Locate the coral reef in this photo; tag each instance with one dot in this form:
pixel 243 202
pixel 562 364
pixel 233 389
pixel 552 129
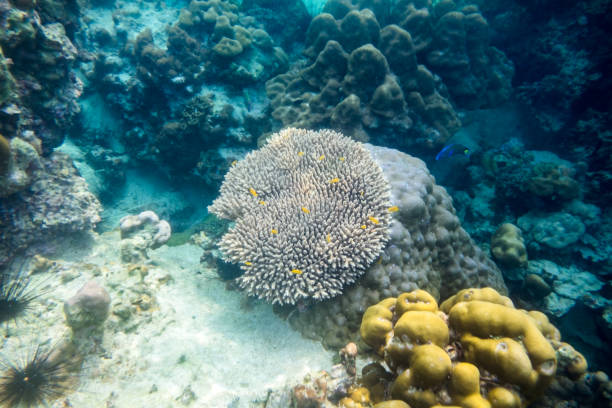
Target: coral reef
pixel 55 204
pixel 427 249
pixel 39 90
pixel 362 74
pixel 312 213
pixel 508 246
pixel 439 355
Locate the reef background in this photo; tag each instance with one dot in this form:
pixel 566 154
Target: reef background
pixel 110 107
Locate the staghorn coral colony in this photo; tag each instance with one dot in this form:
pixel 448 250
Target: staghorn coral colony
pixel 304 203
pixel 312 213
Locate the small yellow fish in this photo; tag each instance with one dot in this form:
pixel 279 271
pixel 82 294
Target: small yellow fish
pixel 361 193
pixel 274 231
pixel 321 157
pixel 392 209
pixel 328 238
pixel 296 271
pixel 234 162
pixel 334 180
pixel 247 263
pixel 363 227
pixel 262 202
pixel 252 191
pixel 306 210
pixel 341 159
pixel 374 220
pixel 300 154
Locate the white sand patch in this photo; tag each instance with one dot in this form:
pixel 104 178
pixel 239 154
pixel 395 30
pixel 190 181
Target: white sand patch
pixel 197 343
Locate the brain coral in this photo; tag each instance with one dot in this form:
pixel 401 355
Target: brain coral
pixel 311 211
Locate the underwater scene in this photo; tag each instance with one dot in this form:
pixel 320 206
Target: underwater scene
pixel 305 203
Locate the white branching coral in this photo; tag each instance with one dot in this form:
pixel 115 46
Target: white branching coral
pixel 311 211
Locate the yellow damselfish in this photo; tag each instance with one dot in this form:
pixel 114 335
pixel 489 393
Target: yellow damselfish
pixel 296 271
pixel 252 191
pixel 274 231
pixel 393 208
pixel 334 180
pixel 374 220
pixel 306 210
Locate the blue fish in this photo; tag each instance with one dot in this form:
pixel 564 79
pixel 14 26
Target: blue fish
pixel 453 149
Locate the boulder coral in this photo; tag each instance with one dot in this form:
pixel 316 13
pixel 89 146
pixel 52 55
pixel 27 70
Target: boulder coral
pixel 401 65
pixel 474 350
pixel 427 249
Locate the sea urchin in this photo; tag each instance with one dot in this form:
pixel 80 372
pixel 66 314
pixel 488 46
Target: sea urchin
pixel 16 294
pixel 42 378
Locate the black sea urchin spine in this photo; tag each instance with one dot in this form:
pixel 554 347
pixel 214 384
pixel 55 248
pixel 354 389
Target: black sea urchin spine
pixel 38 380
pixel 16 294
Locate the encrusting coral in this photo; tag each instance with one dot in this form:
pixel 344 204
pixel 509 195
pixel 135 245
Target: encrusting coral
pixel 311 211
pixel 475 350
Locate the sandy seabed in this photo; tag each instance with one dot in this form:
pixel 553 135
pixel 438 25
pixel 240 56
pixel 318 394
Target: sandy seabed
pixel 186 342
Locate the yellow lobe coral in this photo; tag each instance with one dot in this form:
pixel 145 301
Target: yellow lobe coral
pixel 501 397
pixel 429 368
pixel 392 404
pixel 422 327
pixel 252 191
pixel 467 295
pixel 376 323
pixel 417 300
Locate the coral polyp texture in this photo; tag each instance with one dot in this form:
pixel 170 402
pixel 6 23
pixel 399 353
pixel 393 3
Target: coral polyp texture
pixel 311 211
pixel 474 350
